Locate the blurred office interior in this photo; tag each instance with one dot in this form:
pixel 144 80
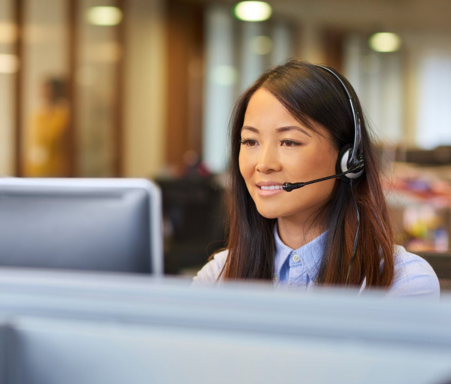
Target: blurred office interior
pixel 144 88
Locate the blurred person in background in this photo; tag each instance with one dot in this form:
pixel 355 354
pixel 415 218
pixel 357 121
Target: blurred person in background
pixel 45 154
pixel 297 123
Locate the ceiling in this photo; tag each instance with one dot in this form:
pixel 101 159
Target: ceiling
pixel 408 16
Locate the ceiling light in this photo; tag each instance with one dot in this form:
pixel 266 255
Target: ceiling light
pixel 384 42
pixel 224 75
pixel 261 45
pixel 8 63
pixel 105 16
pixel 252 11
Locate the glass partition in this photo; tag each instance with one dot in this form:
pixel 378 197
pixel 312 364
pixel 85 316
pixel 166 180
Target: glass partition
pixel 96 87
pixel 9 65
pixel 45 110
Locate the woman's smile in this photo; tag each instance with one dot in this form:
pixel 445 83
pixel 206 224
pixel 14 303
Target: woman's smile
pixel 269 188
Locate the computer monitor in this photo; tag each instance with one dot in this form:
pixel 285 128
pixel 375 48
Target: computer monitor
pixel 110 225
pixel 90 328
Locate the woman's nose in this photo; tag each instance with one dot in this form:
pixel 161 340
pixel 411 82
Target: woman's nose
pixel 268 161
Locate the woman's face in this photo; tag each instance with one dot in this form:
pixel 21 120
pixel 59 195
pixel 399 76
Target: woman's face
pixel 276 148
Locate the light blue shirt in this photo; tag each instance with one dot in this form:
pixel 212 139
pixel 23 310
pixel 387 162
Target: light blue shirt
pixel 300 267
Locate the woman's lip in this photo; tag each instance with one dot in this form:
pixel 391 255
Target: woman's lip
pixel 269 192
pixel 268 183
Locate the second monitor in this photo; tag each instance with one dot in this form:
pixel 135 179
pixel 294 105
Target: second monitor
pixel 111 225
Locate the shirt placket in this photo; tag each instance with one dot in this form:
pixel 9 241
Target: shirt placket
pixel 281 271
pixel 297 272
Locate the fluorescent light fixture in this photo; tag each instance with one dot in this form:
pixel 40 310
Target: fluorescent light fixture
pixel 105 16
pixel 261 45
pixel 224 75
pixel 8 63
pixel 384 42
pixel 252 11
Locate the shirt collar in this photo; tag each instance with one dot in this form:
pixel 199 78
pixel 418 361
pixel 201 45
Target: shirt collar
pixel 310 254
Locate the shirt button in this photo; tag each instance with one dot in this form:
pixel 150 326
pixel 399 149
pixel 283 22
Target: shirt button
pixel 275 278
pixel 296 257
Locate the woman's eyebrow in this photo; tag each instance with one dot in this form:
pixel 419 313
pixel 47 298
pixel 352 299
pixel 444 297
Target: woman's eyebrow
pixel 246 127
pixel 293 127
pixel 281 129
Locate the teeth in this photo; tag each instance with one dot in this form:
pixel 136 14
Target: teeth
pixel 270 187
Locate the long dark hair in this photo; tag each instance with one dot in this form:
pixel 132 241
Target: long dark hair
pixel 313 96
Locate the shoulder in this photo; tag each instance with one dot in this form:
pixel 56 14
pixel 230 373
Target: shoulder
pixel 413 276
pixel 209 274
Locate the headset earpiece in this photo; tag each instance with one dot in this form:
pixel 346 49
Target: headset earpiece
pixel 343 165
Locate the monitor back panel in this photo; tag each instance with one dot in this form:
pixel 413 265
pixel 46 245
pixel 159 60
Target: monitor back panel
pixel 49 351
pixel 96 328
pixel 83 228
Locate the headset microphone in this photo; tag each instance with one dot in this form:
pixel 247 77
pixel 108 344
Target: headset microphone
pixel 288 187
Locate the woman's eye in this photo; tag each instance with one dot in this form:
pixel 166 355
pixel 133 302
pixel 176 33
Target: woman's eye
pixel 289 143
pixel 249 142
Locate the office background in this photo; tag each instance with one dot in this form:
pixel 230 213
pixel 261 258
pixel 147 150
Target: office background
pixel 144 88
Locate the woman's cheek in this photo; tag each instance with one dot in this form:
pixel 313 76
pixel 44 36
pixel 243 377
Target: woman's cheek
pixel 245 164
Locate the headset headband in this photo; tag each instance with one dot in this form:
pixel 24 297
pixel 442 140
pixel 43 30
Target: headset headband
pixel 357 148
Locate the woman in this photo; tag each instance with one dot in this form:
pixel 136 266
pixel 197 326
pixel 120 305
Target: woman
pixel 300 122
pixel 45 147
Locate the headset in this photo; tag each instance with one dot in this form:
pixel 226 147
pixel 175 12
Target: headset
pixel 350 161
pixel 349 166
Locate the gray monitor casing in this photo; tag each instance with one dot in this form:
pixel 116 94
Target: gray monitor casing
pixel 65 327
pixel 108 225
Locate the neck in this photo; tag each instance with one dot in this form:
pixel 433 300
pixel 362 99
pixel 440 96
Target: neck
pixel 295 233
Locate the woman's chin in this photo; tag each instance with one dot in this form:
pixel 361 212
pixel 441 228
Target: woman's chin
pixel 268 214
